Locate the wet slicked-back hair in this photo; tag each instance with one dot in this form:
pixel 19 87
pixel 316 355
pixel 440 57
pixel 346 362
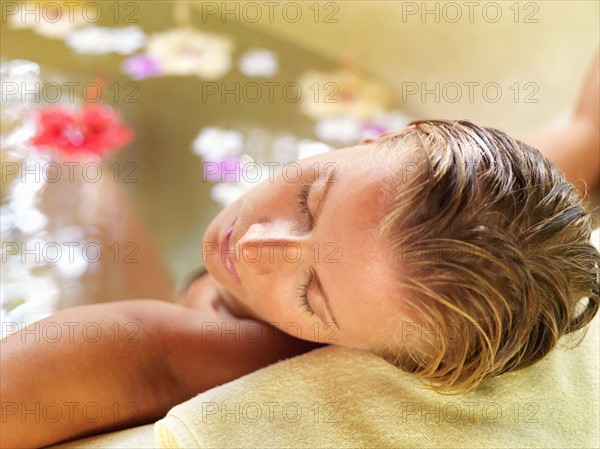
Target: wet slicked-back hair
pixel 492 251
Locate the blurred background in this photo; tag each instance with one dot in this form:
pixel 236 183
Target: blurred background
pixel 153 103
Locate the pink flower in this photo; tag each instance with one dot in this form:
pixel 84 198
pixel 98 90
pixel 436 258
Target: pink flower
pixel 222 170
pixel 140 66
pixel 95 130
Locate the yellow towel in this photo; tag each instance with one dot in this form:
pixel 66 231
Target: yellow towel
pixel 337 397
pixel 342 398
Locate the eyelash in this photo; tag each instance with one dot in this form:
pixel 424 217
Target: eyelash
pixel 303 295
pixel 303 289
pixel 303 196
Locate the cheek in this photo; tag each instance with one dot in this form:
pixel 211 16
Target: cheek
pixel 276 304
pixel 272 298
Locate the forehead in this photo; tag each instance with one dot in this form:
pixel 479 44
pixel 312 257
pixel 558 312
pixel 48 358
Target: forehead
pixel 359 277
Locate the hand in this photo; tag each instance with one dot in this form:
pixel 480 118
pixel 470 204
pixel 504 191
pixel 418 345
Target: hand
pixel 205 293
pixel 201 293
pixel 253 345
pixel 575 148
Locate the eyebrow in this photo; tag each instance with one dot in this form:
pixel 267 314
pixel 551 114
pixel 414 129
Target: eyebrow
pixel 328 180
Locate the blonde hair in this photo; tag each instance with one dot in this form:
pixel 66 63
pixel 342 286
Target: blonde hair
pixel 492 249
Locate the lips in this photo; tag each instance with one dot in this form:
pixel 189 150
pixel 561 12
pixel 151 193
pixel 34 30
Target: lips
pixel 227 254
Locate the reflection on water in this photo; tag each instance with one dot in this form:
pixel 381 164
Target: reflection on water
pixel 69 233
pixel 207 97
pixel 208 109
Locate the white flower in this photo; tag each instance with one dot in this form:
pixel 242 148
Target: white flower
pixel 40 299
pixel 30 287
pixel 52 22
pixel 29 181
pixel 17 125
pixel 190 52
pixel 258 142
pixel 29 220
pixel 18 136
pixel 7 220
pixel 285 149
pixel 72 263
pixel 214 143
pixel 69 234
pixel 99 40
pixel 342 93
pixel 343 130
pixel 307 148
pixel 227 192
pixel 19 75
pixel 258 63
pixel 394 120
pixel 23 195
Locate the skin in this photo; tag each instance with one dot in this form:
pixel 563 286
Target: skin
pixel 156 338
pixel 165 353
pixel 275 246
pixel 150 356
pixel 575 147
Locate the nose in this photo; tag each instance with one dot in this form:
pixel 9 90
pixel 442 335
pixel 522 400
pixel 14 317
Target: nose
pixel 265 248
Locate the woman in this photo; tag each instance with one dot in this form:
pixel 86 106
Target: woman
pixel 452 250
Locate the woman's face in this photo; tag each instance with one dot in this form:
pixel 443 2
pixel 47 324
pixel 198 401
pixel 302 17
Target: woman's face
pixel 301 251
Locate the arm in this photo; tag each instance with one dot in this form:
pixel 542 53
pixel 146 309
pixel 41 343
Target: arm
pixel 93 375
pixel 575 148
pixel 130 258
pixel 147 357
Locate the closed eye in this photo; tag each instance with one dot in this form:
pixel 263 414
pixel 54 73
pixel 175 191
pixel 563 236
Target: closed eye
pixel 303 204
pixel 303 294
